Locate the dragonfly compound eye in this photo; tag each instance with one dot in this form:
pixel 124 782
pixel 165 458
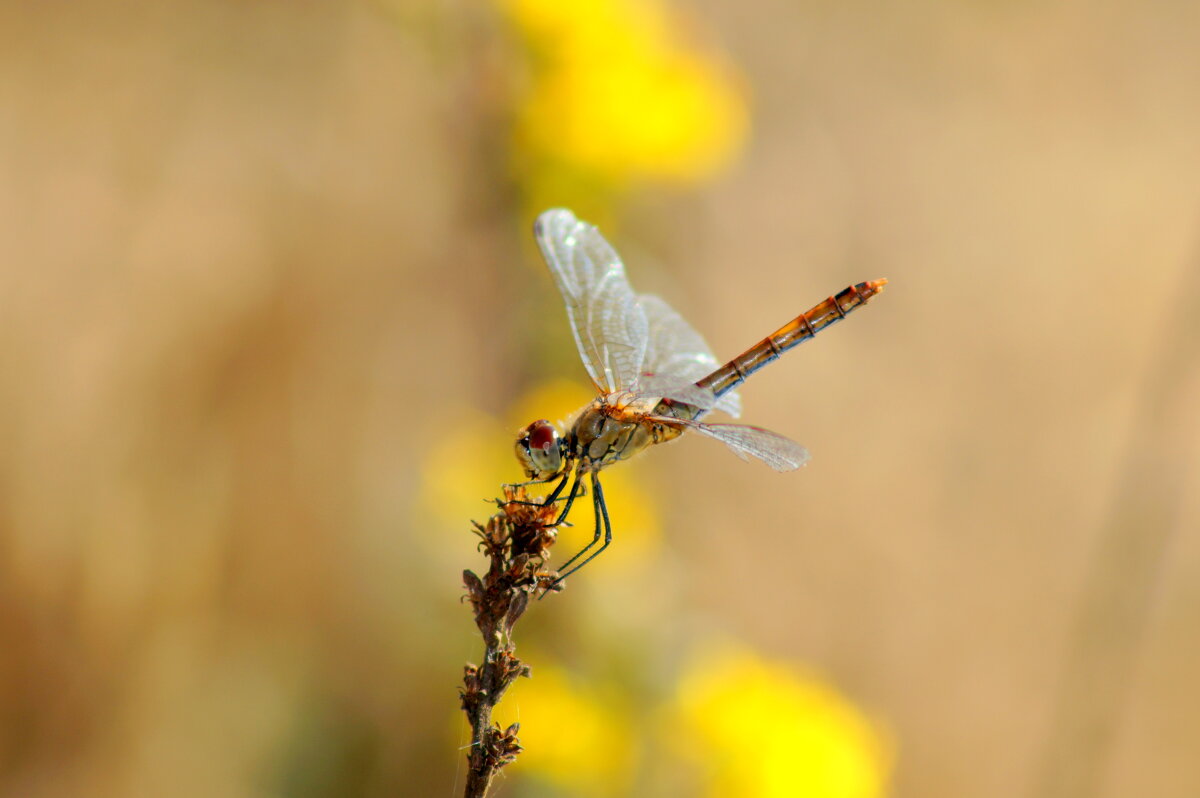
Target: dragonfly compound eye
pixel 539 449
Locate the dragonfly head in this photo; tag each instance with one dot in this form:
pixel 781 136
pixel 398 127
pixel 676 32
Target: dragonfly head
pixel 540 450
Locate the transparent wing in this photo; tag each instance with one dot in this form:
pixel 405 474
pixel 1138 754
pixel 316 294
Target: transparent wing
pixel 780 453
pixel 609 323
pixel 681 389
pixel 677 355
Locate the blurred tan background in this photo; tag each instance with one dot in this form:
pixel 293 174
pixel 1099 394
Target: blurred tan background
pixel 262 260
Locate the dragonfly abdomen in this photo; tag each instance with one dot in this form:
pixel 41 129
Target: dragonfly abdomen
pixel 796 331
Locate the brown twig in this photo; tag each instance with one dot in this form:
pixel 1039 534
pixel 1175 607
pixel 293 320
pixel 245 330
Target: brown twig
pixel 516 541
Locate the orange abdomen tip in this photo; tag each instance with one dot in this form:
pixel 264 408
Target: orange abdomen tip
pixel 871 287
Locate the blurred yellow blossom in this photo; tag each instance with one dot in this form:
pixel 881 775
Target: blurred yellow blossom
pixel 575 736
pixel 616 96
pixel 735 725
pixel 556 400
pixel 465 467
pixel 761 729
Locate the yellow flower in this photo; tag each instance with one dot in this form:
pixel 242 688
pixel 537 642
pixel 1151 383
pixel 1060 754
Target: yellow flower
pixel 760 729
pixel 556 400
pixel 574 736
pixel 465 467
pixel 615 97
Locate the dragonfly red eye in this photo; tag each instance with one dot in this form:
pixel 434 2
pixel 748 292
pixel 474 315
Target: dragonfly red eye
pixel 541 435
pixel 539 449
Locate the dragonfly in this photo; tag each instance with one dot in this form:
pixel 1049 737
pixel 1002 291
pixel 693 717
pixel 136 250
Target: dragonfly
pixel 654 375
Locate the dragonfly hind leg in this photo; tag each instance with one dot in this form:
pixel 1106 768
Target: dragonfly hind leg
pixel 603 524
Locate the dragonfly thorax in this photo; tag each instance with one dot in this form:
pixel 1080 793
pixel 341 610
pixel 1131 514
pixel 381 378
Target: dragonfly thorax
pixel 616 427
pixel 540 450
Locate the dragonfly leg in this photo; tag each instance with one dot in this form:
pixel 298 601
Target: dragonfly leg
pixel 553 497
pixel 602 522
pixel 529 482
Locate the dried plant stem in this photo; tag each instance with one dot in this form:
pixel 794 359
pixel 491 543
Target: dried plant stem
pixel 516 541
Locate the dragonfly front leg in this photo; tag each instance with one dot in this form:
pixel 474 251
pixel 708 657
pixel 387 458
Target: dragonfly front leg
pixel 553 497
pixel 529 482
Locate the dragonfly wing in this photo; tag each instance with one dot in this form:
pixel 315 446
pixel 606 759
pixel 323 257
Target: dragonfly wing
pixel 606 317
pixel 681 389
pixel 780 453
pixel 676 353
